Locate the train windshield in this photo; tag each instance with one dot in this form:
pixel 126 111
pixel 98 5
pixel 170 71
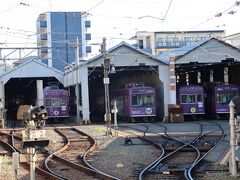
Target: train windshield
pixel 225 97
pixel 56 102
pixel 142 100
pixel 192 98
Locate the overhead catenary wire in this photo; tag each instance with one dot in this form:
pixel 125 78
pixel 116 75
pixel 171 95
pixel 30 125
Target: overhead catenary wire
pixel 167 10
pixel 114 37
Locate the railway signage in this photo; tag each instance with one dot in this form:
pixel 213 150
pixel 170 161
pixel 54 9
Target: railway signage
pixel 33 134
pixel 106 81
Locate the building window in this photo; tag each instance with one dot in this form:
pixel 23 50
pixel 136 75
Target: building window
pixel 43 36
pixel 43 23
pixel 44 50
pixel 140 44
pixel 87 24
pixel 88 49
pixel 88 36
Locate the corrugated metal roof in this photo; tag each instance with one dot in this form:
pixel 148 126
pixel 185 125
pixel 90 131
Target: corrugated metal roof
pixel 32 68
pixel 179 51
pixel 123 43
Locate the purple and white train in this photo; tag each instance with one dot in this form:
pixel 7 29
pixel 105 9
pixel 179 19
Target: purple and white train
pixel 56 102
pixel 136 103
pixel 219 97
pixel 191 97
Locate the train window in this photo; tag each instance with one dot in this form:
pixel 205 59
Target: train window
pixel 225 97
pixel 199 98
pixel 222 98
pixel 232 95
pixel 55 102
pixel 142 100
pixel 192 98
pixel 48 102
pixel 183 98
pixel 62 101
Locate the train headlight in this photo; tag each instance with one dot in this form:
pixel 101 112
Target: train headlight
pixel 148 111
pixel 43 115
pixel 34 116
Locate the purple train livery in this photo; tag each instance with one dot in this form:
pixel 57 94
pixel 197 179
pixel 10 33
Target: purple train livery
pixel 136 103
pixel 56 102
pixel 191 97
pixel 219 97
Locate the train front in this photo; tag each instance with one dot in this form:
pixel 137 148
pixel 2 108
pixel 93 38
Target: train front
pixel 56 103
pixel 223 95
pixel 143 103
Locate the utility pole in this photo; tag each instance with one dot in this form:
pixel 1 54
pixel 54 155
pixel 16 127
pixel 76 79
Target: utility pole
pixel 106 65
pixel 77 86
pixel 232 163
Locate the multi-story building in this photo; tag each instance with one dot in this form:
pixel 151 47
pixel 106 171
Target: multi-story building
pixel 233 39
pixel 56 36
pixel 157 42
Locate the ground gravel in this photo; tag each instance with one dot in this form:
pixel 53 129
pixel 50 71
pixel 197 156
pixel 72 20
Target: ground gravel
pixel 111 156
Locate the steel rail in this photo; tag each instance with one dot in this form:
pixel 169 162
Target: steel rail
pixel 188 171
pixel 26 164
pixel 153 165
pixel 89 169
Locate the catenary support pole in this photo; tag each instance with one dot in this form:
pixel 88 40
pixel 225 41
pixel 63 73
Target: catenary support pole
pixel 233 166
pixel 77 85
pixel 106 64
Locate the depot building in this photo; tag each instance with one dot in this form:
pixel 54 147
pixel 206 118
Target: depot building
pixel 211 60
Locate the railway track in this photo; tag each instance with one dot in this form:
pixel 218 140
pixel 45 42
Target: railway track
pixel 180 154
pixel 14 144
pixel 210 140
pixel 72 157
pixel 66 162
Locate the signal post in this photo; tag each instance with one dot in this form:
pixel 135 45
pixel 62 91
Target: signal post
pixel 34 135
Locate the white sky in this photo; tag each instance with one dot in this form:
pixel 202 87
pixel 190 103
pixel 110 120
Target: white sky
pixel 118 20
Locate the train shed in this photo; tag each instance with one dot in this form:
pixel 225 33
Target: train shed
pixel 206 62
pixel 212 64
pixel 19 84
pixel 128 64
